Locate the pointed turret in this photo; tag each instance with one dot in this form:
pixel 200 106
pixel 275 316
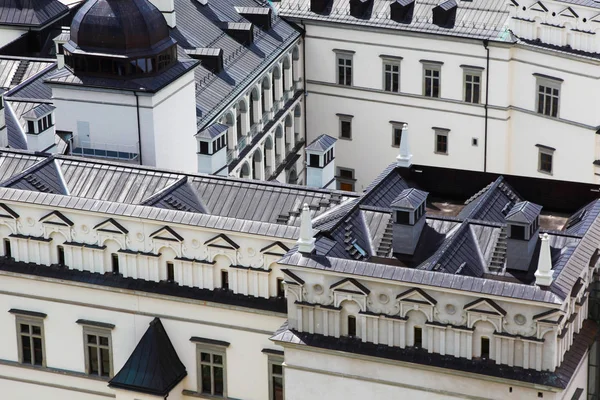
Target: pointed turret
pixel 306 241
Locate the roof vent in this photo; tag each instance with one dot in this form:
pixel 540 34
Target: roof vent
pixel 242 32
pixel 408 210
pixel 259 16
pixel 318 6
pixel 358 8
pixel 523 222
pixel 444 14
pixel 402 11
pixel 211 58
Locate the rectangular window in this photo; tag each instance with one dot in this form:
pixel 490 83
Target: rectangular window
pixel 391 76
pixel 203 148
pixel 472 86
pixel 313 160
pixel 548 96
pixel 280 288
pixel 545 159
pixel 211 371
pixel 517 232
pixel 114 257
pixel 345 126
pixel 396 136
pixel 98 352
pixel 346 179
pixel 7 249
pixel 432 80
pixel 30 333
pixel 61 255
pixel 30 127
pixel 170 272
pixel 418 337
pixel 225 280
pixel 351 325
pixel 441 141
pixel 40 126
pixel 344 69
pixel 485 348
pixel 275 378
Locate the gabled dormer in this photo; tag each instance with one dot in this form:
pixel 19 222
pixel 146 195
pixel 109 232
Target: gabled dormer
pixel 320 165
pixel 259 16
pixel 358 8
pixel 111 226
pixel 568 12
pixel 318 6
pixel 487 310
pixel 275 249
pixel 408 213
pixel 416 299
pixel 444 15
pixel 56 218
pixel 402 11
pixel 7 212
pixel 39 127
pixel 539 7
pixel 350 289
pixel 212 148
pixel 211 58
pixel 523 223
pixel 242 32
pixel 168 234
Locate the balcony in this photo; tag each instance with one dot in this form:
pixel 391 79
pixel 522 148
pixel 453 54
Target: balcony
pixel 287 94
pixel 231 154
pixel 105 150
pixel 265 117
pixel 254 130
pixel 242 141
pixel 276 106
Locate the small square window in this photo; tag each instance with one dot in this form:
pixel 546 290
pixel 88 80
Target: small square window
pixel 313 160
pixel 441 141
pixel 545 161
pixel 396 136
pixel 475 142
pixel 346 179
pixel 345 127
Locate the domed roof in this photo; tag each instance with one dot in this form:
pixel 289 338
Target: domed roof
pixel 120 27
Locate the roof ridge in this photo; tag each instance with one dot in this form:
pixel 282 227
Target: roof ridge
pixel 29 80
pixel 31 169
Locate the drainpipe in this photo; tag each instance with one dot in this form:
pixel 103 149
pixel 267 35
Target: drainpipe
pixel 137 109
pixel 487 97
pixel 305 93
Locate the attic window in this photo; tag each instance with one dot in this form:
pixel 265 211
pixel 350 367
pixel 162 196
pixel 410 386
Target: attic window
pixel 444 14
pixel 575 219
pixel 507 207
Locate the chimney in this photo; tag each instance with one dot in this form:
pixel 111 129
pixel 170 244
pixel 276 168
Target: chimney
pixel 242 32
pixel 211 58
pixel 318 6
pixel 408 212
pixel 358 8
pixel 259 16
pixel 523 222
pixel 543 274
pixel 402 11
pixel 167 8
pixel 404 158
pixel 320 165
pixel 444 14
pixel 306 241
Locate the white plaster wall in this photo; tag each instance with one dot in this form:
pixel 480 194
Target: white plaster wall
pixel 9 34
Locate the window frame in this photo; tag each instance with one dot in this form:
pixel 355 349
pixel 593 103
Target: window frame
pixel 420 330
pixel 397 126
pixel 275 360
pixel 547 82
pixel 392 62
pixel 473 71
pixel 434 66
pixel 341 119
pixel 347 56
pixel 548 152
pixel 213 350
pixel 441 132
pixel 340 179
pixel 97 331
pixel 30 320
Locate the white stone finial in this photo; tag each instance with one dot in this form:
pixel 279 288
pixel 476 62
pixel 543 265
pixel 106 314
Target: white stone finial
pixel 404 159
pixel 543 274
pixel 306 241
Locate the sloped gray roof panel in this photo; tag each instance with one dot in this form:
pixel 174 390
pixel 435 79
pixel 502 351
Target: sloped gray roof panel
pixel 321 143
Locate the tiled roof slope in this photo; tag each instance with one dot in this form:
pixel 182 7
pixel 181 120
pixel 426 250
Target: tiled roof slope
pixel 31 13
pixel 483 19
pixel 154 366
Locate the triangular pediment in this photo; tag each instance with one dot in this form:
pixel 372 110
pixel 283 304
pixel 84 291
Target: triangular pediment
pixel 513 3
pixel 275 249
pixel 222 241
pixel 111 226
pixel 350 285
pixel 417 295
pixel 552 316
pixel 538 6
pixel 596 18
pixel 56 218
pixel 485 306
pixel 166 233
pixel 569 13
pixel 7 212
pixel 293 277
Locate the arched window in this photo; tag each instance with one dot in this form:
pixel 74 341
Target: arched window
pixel 418 337
pixel 485 347
pixel 351 325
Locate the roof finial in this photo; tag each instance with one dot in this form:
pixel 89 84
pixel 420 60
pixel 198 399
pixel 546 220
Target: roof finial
pixel 543 274
pixel 306 241
pixel 404 158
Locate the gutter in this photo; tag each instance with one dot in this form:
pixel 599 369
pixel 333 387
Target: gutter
pixel 139 130
pixel 487 97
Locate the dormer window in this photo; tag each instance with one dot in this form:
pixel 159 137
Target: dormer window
pixel 212 139
pixel 39 119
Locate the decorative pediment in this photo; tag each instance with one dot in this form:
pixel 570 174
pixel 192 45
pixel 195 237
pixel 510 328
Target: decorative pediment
pixel 7 212
pixel 551 316
pixel 56 218
pixel 485 306
pixel 538 6
pixel 111 226
pixel 513 3
pixel 223 242
pixel 166 233
pixel 275 249
pixel 350 285
pixel 417 295
pixel 569 13
pixel 294 278
pixel 595 18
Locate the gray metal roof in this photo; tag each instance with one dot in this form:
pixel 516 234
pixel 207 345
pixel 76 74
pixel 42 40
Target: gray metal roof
pixel 524 212
pixel 31 13
pixel 409 199
pixel 39 111
pixel 483 19
pixel 321 143
pixel 212 131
